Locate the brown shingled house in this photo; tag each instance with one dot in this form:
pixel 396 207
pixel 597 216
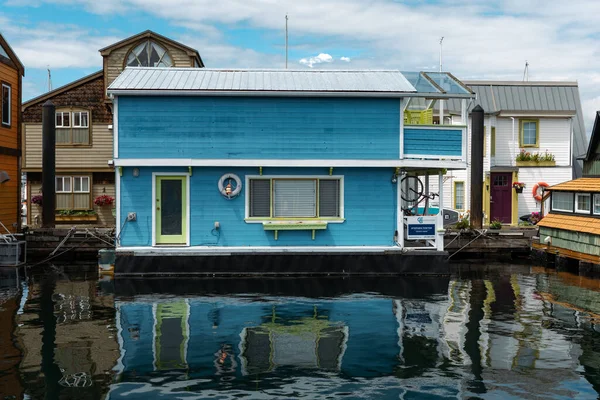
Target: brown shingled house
pixel 11 74
pixel 84 136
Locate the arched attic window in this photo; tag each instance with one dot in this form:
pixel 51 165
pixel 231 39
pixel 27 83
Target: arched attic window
pixel 149 54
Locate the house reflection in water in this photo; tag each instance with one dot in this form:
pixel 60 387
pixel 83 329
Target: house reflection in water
pixel 490 331
pixel 246 337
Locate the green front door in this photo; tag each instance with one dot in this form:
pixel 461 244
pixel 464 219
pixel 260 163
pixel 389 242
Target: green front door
pixel 171 210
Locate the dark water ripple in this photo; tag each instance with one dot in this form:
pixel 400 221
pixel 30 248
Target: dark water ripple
pixel 516 332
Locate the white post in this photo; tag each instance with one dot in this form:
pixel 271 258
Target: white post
pixel 426 188
pixel 465 136
pixel 401 129
pixel 399 213
pixel 439 235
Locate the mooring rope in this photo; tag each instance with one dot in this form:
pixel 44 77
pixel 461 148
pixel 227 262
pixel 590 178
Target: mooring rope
pixel 87 231
pixel 483 232
pixel 67 236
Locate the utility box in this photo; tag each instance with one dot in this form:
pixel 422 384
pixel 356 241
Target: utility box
pixel 13 253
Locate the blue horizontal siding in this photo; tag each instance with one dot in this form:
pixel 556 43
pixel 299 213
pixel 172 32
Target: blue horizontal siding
pixel 439 142
pixel 370 203
pixel 255 128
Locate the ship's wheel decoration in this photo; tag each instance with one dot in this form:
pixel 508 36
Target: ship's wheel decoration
pixel 230 186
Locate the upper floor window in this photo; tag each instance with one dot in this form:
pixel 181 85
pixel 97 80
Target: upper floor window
pixel 562 201
pixel 72 127
pixel 149 54
pixel 597 204
pixel 529 135
pixel 6 91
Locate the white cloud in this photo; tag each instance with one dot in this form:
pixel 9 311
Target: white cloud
pixel 321 58
pixel 483 40
pixel 346 59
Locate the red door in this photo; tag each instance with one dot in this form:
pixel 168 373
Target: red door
pixel 501 197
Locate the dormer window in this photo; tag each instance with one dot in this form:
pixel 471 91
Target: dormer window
pixel 149 54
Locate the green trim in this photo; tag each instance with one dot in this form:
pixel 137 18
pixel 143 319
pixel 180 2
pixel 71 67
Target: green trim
pixel 171 239
pixel 454 195
pixel 537 133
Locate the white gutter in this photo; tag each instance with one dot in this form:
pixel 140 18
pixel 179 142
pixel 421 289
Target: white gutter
pixel 227 162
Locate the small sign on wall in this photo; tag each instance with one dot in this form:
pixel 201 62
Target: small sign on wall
pixel 420 227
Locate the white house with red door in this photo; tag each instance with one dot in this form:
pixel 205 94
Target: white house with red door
pixel 534 133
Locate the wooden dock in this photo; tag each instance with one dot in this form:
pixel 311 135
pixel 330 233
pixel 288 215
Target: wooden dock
pixel 81 244
pixel 486 242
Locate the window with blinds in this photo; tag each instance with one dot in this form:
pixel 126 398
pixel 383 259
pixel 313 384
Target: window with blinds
pixel 294 198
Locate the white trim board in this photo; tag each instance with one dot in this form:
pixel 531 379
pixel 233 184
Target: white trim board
pixel 116 127
pixel 153 203
pixel 220 162
pixel 226 250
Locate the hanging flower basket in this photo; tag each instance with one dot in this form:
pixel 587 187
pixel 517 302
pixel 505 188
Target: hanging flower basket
pixel 38 200
pixel 518 186
pixel 104 200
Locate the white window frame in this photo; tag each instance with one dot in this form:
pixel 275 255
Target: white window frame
pixel 558 209
pixel 577 209
pixel 81 178
pixel 596 197
pixel 4 85
pixel 63 178
pixel 260 220
pixel 80 119
pixel 62 119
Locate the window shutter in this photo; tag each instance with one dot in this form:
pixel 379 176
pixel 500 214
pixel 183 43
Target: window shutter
pixel 329 198
pixel 260 198
pixel 295 198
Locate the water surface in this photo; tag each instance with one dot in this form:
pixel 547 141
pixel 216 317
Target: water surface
pixel 508 332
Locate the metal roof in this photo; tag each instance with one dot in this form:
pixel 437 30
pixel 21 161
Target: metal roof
pixel 543 98
pixel 221 80
pixel 390 83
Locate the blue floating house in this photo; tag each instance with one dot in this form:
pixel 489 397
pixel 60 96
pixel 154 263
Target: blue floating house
pixel 246 162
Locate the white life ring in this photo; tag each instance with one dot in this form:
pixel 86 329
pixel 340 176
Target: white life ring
pixel 227 189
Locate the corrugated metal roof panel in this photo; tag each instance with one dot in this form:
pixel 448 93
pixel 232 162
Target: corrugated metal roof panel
pixel 261 80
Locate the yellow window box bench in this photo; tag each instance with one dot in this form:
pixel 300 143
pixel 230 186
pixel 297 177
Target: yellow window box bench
pixel 277 226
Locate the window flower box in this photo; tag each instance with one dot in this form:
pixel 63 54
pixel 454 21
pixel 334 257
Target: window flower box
pixel 75 218
pixel 536 163
pixel 277 226
pixel 529 159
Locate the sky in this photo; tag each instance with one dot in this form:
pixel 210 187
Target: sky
pixel 490 39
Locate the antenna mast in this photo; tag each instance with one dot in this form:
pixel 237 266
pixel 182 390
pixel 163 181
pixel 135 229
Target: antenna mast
pixel 49 80
pixel 526 72
pixel 441 40
pixel 286 41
